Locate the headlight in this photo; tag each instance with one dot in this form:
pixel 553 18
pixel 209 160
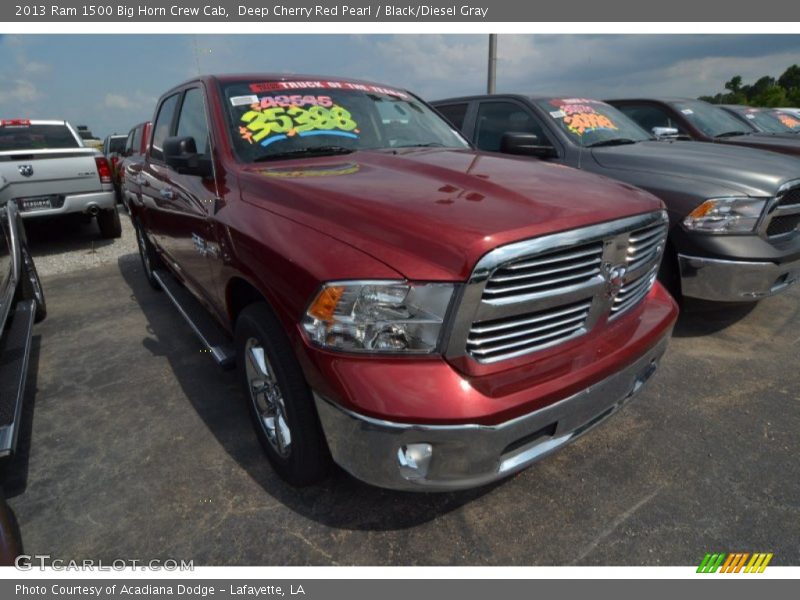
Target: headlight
pixel 378 316
pixel 726 215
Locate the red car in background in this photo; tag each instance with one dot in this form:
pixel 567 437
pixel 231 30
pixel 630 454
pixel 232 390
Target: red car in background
pixel 131 162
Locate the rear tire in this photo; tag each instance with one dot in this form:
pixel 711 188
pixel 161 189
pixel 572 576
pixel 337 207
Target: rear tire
pixel 279 400
pixel 109 223
pixel 150 259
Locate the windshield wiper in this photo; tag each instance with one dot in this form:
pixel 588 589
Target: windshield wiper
pixel 614 142
pixel 730 134
pixel 426 145
pixel 303 152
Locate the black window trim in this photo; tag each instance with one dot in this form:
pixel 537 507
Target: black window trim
pixel 173 124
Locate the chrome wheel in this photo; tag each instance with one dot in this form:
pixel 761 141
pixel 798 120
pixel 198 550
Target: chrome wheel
pixel 265 393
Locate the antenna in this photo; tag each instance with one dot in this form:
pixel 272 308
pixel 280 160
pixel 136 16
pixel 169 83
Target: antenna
pixel 196 54
pixel 492 76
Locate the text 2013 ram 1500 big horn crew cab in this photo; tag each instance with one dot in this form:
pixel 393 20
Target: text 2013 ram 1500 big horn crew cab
pixel 431 317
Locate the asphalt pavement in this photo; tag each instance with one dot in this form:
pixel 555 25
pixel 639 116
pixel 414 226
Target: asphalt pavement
pixel 137 447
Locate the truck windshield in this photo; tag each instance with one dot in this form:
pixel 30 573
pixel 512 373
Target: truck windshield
pixel 116 144
pixel 711 120
pixel 591 122
pixel 35 137
pixel 764 120
pixel 787 120
pixel 292 119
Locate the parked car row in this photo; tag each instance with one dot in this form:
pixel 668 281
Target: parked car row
pixel 734 211
pixel 411 296
pixel 402 290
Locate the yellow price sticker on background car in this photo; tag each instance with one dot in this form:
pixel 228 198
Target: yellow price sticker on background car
pixel 581 117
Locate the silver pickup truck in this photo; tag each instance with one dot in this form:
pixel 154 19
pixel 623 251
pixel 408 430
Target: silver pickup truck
pixel 53 174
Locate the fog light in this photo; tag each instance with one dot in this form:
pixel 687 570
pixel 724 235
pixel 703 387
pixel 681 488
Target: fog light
pixel 414 459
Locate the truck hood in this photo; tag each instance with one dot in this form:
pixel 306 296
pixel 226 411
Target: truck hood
pixel 787 143
pixel 430 214
pixel 734 168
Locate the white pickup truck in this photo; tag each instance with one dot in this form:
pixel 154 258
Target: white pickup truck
pixel 53 174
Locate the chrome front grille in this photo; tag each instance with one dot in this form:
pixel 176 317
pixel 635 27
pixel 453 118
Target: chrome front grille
pixel 645 247
pixel 552 271
pixel 631 293
pixel 784 212
pixel 542 292
pixel 521 334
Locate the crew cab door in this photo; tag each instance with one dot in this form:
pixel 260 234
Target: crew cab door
pixel 182 204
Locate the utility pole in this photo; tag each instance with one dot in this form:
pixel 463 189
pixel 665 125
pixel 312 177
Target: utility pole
pixel 492 63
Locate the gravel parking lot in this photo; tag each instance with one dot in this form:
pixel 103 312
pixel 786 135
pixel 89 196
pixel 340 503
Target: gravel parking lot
pixel 138 447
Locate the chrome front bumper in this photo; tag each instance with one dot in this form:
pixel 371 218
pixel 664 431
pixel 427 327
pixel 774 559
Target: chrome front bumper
pixel 448 457
pixel 75 203
pixel 734 281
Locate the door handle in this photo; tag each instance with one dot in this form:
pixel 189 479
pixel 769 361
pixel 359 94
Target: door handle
pixel 166 193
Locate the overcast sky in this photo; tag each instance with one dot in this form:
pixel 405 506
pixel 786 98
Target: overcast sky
pixel 112 82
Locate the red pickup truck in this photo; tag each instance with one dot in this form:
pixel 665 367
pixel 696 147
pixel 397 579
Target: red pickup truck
pixel 429 317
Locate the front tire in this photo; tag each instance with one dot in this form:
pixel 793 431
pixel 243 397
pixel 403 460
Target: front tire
pixel 109 223
pixel 279 400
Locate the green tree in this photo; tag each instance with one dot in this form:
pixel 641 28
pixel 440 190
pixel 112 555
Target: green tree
pixel 790 80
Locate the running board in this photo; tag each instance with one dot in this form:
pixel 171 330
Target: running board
pixel 15 350
pixel 213 337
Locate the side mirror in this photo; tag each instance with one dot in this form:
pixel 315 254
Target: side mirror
pixel 525 144
pixel 180 153
pixel 664 132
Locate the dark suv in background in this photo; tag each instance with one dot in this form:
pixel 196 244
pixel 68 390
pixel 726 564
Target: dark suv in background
pixel 734 212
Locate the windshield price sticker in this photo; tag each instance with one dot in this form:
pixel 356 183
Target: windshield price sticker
pixel 750 116
pixel 788 120
pixel 687 111
pixel 581 117
pixel 275 118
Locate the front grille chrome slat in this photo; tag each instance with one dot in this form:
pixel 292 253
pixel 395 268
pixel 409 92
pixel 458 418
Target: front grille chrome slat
pixel 553 271
pixel 528 342
pixel 507 324
pixel 533 300
pixel 577 276
pixel 509 335
pixel 595 250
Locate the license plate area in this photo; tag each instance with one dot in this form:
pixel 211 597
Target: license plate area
pixel 35 203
